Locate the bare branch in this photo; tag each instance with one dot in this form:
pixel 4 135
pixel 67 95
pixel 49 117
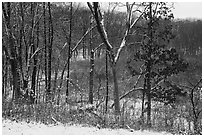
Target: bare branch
pixel 128 25
pixel 90 7
pixel 126 94
pixel 79 42
pixel 134 87
pixel 135 22
pixel 98 46
pixel 36 51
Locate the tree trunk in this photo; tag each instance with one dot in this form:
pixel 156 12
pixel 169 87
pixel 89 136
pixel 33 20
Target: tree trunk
pixel 34 73
pixel 69 52
pixel 91 75
pixel 45 46
pixel 106 107
pixel 21 39
pixel 143 99
pixel 116 92
pixel 50 37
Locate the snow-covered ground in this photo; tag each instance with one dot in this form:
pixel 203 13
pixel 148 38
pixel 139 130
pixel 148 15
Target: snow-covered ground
pixel 22 128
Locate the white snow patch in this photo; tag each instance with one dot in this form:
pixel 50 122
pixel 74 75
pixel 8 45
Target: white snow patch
pixel 22 128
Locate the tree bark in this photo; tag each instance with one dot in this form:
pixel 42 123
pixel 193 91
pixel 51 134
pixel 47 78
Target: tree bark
pixel 69 52
pixel 91 66
pixel 35 61
pixel 106 107
pixel 45 45
pixel 21 37
pixel 143 99
pixel 50 37
pixel 116 92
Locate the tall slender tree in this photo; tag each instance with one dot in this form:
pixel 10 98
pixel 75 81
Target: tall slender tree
pixel 21 38
pixel 91 75
pixel 50 40
pixel 45 44
pixel 35 60
pixel 69 51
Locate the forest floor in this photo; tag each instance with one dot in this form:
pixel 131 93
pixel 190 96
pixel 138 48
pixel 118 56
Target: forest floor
pixel 22 128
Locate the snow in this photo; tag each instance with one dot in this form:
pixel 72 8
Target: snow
pixel 22 128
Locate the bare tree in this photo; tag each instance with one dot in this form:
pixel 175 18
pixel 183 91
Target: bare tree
pixel 45 44
pixel 96 11
pixel 69 51
pixel 35 61
pixel 91 75
pixel 50 38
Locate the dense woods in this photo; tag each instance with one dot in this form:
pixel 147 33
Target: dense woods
pixel 138 68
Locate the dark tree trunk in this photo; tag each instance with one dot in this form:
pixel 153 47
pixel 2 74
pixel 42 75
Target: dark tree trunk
pixel 91 75
pixel 69 52
pixel 106 109
pixel 116 92
pixel 45 45
pixel 148 96
pixel 143 103
pixel 50 37
pixel 21 39
pixel 34 73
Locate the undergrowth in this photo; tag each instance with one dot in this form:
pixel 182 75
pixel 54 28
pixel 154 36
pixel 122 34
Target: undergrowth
pixel 87 115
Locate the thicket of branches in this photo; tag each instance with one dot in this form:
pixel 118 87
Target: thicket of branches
pixel 137 69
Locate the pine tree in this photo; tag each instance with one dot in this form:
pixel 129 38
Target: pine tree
pixel 160 61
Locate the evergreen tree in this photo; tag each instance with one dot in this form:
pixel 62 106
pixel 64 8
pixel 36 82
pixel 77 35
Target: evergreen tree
pixel 159 60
